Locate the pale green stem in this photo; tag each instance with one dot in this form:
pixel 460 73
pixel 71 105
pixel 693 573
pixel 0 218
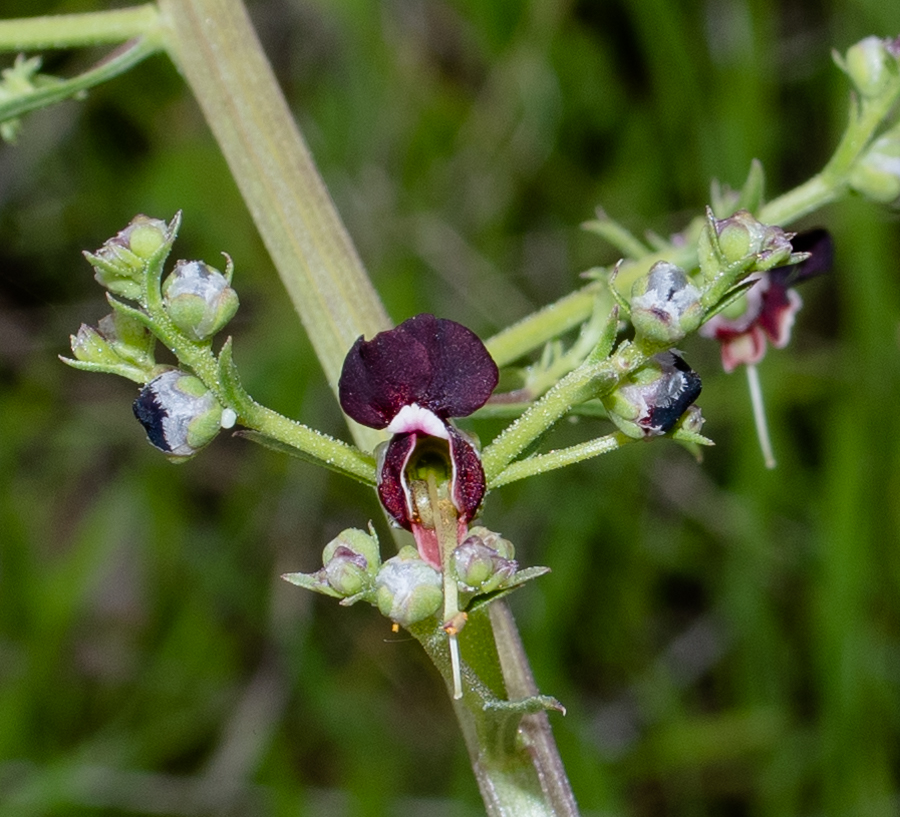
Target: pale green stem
pixel 534 729
pixel 591 379
pixel 542 463
pixel 65 89
pixel 72 30
pixel 759 415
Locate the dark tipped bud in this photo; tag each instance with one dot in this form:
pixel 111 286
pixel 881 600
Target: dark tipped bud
pixel 651 401
pixel 665 305
pixel 179 414
pixel 408 590
pixel 198 299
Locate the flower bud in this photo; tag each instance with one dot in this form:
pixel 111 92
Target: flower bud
pixel 494 541
pixel 651 401
pixel 198 299
pixel 480 567
pixel 351 561
pixel 872 64
pixel 408 590
pixel 665 306
pixel 741 237
pixel 179 414
pixel 876 175
pixel 89 345
pixel 130 339
pixel 119 264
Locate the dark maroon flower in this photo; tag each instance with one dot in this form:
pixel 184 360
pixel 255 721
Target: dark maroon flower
pixel 411 380
pixel 770 306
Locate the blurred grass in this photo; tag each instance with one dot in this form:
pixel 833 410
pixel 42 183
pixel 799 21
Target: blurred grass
pixel 726 639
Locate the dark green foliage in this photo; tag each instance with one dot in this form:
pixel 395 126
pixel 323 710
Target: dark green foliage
pixel 726 639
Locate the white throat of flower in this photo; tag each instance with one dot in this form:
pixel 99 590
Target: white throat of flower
pixel 415 418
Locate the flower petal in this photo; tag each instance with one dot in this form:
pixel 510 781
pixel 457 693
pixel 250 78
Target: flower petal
pixel 468 483
pixel 437 364
pixel 464 374
pixel 393 489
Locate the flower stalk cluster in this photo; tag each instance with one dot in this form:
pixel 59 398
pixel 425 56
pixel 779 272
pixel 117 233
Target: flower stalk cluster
pixel 729 276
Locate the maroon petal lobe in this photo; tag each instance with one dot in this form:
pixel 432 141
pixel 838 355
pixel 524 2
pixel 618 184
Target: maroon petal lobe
pixel 393 489
pixel 382 375
pixel 468 483
pixel 780 306
pixel 464 374
pixel 436 363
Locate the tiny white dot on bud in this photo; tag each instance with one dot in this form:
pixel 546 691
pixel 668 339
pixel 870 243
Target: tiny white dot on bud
pixel 229 418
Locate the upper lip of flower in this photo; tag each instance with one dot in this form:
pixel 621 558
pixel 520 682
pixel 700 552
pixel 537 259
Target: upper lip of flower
pixel 434 364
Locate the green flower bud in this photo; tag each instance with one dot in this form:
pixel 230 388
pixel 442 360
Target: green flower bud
pixel 346 572
pixel 877 173
pixel 104 349
pixel 665 306
pixel 198 299
pixel 89 345
pixel 120 263
pixel 741 236
pixel 494 541
pixel 480 567
pixel 408 590
pixel 351 561
pixel 872 65
pixel 131 340
pixel 179 414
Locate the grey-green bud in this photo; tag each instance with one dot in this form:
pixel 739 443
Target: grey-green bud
pixel 876 175
pixel 198 299
pixel 130 339
pixel 408 590
pixel 665 305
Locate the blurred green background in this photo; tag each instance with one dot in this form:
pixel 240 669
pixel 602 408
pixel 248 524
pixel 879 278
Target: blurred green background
pixel 726 639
